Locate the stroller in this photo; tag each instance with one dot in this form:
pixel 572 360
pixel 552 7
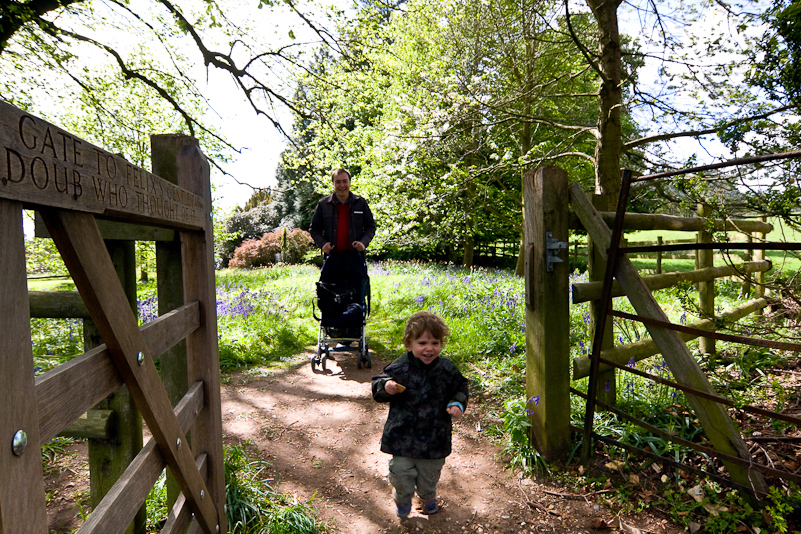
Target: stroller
pixel 343 297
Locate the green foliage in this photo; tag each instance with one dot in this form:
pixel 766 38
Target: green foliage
pixel 254 507
pixel 42 257
pixel 517 428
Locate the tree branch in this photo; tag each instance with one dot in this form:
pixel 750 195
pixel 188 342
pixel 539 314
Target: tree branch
pixel 706 131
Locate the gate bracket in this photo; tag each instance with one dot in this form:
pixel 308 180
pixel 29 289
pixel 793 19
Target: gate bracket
pixel 553 246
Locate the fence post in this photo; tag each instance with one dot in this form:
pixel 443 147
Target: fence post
pixel 596 267
pixel 170 286
pixel 547 313
pixel 203 358
pixel 109 459
pixel 759 291
pixel 706 290
pixel 659 255
pixel 749 256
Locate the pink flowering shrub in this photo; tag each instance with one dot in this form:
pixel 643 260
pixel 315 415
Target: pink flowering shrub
pixel 260 252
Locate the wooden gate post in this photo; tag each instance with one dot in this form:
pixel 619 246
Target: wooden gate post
pixel 706 290
pixel 22 495
pixel 547 312
pixel 201 345
pixel 170 285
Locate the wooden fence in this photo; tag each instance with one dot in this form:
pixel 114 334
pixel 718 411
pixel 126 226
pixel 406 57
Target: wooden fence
pixel 548 220
pixel 70 183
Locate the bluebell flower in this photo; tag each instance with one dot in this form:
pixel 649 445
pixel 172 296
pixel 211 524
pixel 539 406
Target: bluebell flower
pixel 513 348
pixel 607 385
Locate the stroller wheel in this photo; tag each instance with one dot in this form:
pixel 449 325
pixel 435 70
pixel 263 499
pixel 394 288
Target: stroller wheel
pixel 367 357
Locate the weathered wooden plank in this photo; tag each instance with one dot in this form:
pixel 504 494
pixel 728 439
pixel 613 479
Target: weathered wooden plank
pixel 706 289
pixel 716 422
pixel 94 424
pixel 645 348
pixel 547 313
pixel 57 305
pixel 43 165
pixel 117 231
pixel 22 499
pixel 123 500
pixel 649 221
pixel 69 390
pixel 582 292
pixel 180 515
pixel 170 282
pixel 201 345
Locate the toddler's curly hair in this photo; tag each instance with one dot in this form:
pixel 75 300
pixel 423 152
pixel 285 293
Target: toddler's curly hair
pixel 422 322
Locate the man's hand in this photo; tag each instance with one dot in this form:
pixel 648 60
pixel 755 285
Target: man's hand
pixel 358 245
pixel 327 248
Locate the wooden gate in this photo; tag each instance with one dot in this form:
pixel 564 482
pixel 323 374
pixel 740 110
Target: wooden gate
pixel 71 182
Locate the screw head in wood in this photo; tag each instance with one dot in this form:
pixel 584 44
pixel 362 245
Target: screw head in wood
pixel 140 358
pixel 202 495
pixel 178 443
pixel 19 442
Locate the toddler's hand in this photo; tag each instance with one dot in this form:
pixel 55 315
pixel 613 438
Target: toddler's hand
pixel 393 388
pixel 455 411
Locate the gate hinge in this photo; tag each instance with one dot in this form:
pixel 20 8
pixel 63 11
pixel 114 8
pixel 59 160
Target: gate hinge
pixel 553 246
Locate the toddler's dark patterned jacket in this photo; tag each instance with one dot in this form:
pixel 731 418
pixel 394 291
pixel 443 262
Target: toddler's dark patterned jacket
pixel 418 424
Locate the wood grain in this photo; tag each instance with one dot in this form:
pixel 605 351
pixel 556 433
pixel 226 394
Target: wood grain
pixel 201 345
pixel 123 500
pixel 44 165
pixel 22 500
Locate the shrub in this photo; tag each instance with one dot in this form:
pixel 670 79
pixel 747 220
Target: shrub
pixel 298 243
pixel 260 252
pixel 255 253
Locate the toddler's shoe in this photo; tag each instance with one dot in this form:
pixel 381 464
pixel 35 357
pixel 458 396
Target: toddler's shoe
pixel 430 507
pixel 403 509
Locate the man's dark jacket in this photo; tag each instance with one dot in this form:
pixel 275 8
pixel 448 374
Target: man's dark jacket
pixel 418 424
pixel 361 225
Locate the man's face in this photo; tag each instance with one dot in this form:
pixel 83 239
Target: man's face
pixel 342 185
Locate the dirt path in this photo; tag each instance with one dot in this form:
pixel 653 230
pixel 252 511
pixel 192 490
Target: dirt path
pixel 321 434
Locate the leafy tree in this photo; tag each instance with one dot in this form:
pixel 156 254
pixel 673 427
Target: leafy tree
pixel 50 46
pixel 438 114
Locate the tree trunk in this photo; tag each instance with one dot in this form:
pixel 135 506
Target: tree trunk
pixel 609 143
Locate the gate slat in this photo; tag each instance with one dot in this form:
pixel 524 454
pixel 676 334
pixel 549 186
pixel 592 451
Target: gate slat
pixel 68 391
pixel 22 497
pixel 119 506
pixel 79 241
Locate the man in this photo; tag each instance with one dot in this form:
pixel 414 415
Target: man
pixel 342 221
